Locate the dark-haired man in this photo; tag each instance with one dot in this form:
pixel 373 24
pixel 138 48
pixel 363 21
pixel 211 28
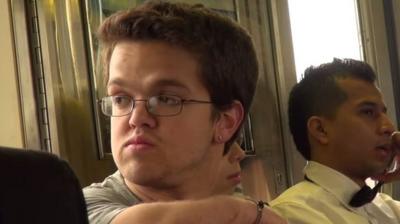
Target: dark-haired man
pixel 177 96
pixel 339 123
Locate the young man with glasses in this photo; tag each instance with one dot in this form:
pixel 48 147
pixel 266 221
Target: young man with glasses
pixel 180 80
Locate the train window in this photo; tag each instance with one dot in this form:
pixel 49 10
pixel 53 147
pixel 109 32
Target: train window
pixel 323 29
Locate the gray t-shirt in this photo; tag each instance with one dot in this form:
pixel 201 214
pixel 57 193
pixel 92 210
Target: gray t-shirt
pixel 107 199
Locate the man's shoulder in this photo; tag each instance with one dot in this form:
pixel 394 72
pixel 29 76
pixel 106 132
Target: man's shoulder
pixel 107 199
pixel 113 188
pixel 383 198
pixel 299 204
pixel 113 182
pixel 299 193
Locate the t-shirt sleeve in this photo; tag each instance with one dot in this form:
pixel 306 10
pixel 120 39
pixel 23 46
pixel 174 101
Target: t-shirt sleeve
pixel 102 205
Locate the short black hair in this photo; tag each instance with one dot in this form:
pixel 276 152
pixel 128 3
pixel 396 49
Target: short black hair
pixel 318 93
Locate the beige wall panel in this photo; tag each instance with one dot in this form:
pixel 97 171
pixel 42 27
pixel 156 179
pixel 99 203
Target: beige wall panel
pixel 10 116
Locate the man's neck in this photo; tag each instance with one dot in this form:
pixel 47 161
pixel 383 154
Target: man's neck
pixel 358 180
pixel 152 194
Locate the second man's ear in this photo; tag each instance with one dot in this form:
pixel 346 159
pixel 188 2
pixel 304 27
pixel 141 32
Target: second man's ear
pixel 228 122
pixel 316 129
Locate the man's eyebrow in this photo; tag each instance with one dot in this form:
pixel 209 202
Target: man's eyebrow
pixel 115 82
pixel 170 83
pixel 157 84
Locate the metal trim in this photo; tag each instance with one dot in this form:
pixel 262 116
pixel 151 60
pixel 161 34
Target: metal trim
pixel 28 104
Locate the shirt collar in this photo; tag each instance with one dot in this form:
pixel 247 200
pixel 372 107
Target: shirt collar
pixel 342 187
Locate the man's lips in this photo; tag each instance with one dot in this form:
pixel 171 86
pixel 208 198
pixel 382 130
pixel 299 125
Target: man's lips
pixel 138 144
pixel 385 149
pixel 235 177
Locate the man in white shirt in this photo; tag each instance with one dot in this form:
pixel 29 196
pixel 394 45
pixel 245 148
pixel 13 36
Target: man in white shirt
pixel 339 124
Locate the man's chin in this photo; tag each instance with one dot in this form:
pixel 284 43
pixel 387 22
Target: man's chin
pixel 380 174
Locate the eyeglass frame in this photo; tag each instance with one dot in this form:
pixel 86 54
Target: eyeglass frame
pixel 133 101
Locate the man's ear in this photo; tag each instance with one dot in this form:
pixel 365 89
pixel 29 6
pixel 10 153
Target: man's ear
pixel 228 122
pixel 316 129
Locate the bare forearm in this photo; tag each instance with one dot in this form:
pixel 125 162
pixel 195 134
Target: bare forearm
pixel 218 210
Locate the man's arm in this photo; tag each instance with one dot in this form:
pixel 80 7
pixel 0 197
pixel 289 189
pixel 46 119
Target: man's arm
pixel 218 210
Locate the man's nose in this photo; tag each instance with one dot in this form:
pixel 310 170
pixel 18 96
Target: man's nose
pixel 395 136
pixel 241 155
pixel 387 126
pixel 237 153
pixel 140 115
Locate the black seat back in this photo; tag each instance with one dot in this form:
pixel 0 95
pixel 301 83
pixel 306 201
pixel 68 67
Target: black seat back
pixel 37 187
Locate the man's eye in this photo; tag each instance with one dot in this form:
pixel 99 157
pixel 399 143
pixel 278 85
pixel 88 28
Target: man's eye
pixel 168 100
pixel 121 101
pixel 368 112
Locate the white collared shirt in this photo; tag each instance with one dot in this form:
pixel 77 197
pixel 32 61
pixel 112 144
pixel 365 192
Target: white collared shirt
pixel 324 200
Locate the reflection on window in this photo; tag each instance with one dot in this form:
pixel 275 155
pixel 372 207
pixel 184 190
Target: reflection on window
pixel 322 30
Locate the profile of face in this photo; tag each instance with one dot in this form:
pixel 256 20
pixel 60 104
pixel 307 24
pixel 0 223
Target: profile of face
pixel 230 171
pixel 160 151
pixel 359 133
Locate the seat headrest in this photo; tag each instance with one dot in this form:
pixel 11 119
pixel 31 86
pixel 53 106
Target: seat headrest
pixel 38 187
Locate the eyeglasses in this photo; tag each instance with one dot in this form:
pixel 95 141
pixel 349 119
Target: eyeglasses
pixel 160 105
